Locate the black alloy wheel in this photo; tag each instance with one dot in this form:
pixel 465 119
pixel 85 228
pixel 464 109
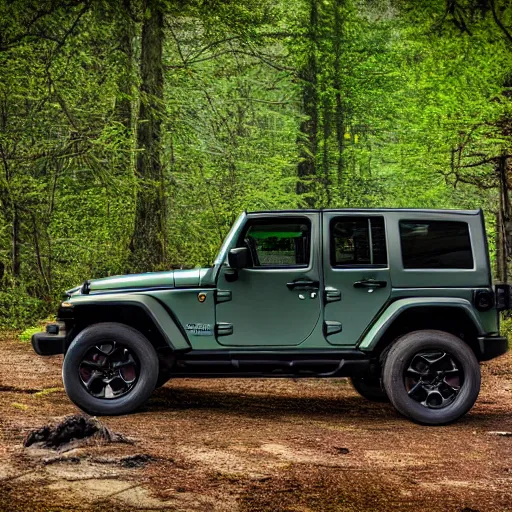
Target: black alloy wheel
pixel 433 379
pixel 109 370
pixel 431 376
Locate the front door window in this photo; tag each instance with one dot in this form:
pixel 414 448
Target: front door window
pixel 279 244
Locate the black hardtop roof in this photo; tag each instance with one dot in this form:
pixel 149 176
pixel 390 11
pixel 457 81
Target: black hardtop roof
pixel 372 210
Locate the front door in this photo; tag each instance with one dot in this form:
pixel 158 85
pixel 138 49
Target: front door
pixel 276 301
pixel 357 278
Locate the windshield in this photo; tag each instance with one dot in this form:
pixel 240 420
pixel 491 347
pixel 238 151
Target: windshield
pixel 227 241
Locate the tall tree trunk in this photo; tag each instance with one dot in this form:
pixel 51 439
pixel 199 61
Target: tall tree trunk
pixel 504 221
pixel 339 113
pixel 326 131
pixel 126 33
pixel 148 241
pixel 16 260
pixel 308 134
pixel 500 250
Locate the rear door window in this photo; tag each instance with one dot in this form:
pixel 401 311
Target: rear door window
pixel 435 244
pixel 358 241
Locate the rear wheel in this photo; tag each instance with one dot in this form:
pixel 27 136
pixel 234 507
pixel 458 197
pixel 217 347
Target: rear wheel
pixel 370 388
pixel 432 377
pixel 110 369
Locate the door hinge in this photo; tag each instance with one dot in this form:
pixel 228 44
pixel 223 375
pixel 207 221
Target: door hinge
pixel 224 329
pixel 331 327
pixel 222 296
pixel 332 294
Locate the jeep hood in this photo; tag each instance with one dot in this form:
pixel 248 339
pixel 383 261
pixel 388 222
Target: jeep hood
pixel 149 280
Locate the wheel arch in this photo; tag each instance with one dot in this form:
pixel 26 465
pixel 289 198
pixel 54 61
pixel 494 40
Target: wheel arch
pixel 142 312
pixel 455 316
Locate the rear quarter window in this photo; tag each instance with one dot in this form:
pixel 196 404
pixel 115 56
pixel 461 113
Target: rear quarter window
pixel 435 244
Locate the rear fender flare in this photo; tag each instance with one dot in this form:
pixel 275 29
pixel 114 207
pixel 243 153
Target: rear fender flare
pixel 393 311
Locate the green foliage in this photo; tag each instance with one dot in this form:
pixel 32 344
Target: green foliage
pixel 47 391
pixel 412 103
pixel 506 328
pixel 19 309
pixel 27 334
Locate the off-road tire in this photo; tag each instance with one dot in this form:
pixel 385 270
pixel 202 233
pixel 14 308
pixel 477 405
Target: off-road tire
pixel 370 388
pixel 99 334
pixel 400 356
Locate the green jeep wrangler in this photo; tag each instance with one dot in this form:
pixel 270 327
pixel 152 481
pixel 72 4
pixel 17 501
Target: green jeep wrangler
pixel 399 300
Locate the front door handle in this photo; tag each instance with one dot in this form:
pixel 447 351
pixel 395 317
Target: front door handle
pixel 370 283
pixel 303 284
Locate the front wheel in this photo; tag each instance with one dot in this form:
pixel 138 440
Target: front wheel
pixel 432 377
pixel 110 369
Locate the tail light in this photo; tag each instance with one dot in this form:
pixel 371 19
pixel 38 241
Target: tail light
pixel 502 292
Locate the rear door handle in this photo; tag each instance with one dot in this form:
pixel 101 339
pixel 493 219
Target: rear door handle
pixel 370 283
pixel 303 284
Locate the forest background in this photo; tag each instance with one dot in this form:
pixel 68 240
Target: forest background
pixel 133 132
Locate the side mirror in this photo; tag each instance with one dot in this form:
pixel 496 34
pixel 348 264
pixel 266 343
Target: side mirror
pixel 238 258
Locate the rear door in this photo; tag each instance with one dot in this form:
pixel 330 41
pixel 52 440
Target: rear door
pixel 357 277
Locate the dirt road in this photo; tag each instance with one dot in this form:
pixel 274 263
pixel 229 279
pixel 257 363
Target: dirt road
pixel 255 445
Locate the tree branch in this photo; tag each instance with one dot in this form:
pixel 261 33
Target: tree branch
pixel 508 35
pixel 482 162
pixel 40 35
pixel 73 26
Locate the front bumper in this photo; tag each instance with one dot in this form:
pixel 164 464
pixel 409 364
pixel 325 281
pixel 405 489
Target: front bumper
pixel 46 344
pixel 492 346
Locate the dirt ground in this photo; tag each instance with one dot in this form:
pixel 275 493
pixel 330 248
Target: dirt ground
pixel 254 445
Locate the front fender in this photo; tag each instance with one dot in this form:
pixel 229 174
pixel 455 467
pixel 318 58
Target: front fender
pixel 162 318
pixel 391 313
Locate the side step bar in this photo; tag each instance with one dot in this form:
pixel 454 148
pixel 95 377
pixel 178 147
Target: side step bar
pixel 223 363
